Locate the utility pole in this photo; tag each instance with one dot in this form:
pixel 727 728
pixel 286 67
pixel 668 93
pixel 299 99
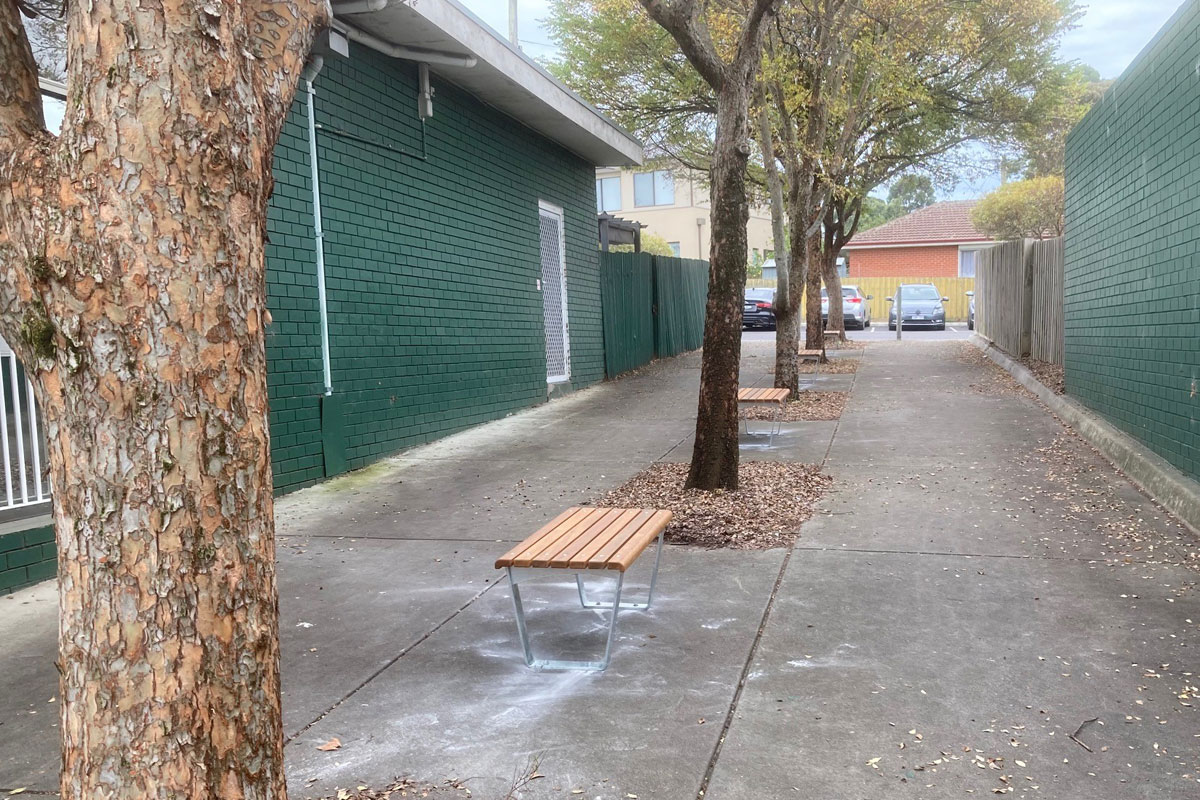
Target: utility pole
pixel 512 24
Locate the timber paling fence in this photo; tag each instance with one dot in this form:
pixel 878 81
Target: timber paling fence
pixel 1019 297
pixel 653 308
pixel 955 289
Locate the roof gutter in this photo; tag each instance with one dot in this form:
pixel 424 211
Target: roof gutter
pixel 394 50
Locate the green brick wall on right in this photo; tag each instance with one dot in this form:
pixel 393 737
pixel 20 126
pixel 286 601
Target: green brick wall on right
pixel 1132 276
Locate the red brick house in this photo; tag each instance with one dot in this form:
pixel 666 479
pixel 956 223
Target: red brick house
pixel 938 241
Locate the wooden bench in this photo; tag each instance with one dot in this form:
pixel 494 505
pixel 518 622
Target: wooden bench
pixel 834 332
pixel 814 355
pixel 753 396
pixel 580 540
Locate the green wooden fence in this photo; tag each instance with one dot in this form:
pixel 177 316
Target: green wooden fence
pixel 627 292
pixel 653 307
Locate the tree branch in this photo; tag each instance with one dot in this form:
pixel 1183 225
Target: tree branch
pixel 681 19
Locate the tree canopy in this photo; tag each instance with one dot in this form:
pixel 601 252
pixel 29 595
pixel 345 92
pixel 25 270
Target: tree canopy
pixel 1032 208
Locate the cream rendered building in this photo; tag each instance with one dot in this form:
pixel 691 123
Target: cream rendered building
pixel 674 205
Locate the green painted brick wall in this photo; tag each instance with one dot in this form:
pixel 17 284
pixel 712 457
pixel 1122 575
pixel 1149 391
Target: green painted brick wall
pixel 26 557
pixel 1132 276
pixel 432 262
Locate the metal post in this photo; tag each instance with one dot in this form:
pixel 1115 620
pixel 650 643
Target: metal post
pixel 899 313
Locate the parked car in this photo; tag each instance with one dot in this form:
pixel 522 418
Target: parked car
pixel 921 305
pixel 971 312
pixel 856 311
pixel 758 310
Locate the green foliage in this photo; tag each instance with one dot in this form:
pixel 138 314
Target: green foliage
pixel 1030 208
pixel 1060 102
pixel 911 192
pixel 907 194
pixel 621 61
pixel 652 243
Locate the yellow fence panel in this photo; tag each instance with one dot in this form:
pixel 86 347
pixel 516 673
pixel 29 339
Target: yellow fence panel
pixel 881 288
pixel 955 289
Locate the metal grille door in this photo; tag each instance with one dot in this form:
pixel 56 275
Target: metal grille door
pixel 554 293
pixel 22 449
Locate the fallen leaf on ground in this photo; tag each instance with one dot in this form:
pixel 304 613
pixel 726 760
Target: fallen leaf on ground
pixel 332 744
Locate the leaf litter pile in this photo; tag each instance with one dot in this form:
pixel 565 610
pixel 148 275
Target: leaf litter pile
pixel 808 405
pixel 402 788
pixel 846 365
pixel 1049 375
pixel 772 500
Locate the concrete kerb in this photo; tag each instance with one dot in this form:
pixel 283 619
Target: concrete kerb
pixel 1149 471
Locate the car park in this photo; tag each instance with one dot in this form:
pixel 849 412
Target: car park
pixel 922 306
pixel 758 309
pixel 856 311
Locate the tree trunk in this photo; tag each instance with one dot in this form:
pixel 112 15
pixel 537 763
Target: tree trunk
pixel 132 250
pixel 814 337
pixel 786 330
pixel 833 287
pixel 715 456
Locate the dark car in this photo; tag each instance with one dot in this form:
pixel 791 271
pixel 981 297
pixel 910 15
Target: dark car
pixel 921 305
pixel 758 310
pixel 971 312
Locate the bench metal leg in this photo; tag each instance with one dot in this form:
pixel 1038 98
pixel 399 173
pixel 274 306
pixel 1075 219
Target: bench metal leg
pixel 774 430
pixel 583 600
pixel 546 663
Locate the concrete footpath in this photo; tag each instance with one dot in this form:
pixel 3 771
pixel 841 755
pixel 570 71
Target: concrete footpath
pixel 977 584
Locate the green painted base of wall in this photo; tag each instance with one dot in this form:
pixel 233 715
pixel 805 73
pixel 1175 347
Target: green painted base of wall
pixel 27 557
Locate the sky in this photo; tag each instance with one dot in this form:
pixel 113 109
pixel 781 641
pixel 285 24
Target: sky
pixel 1107 37
pixel 1110 34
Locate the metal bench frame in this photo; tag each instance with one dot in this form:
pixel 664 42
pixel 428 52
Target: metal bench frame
pixel 518 574
pixel 776 423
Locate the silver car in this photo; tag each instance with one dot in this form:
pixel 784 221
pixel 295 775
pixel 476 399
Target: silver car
pixel 856 311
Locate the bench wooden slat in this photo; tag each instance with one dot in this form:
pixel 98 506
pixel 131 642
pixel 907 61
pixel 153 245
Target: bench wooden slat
pixel 597 525
pixel 810 353
pixel 589 538
pixel 533 539
pixel 634 545
pixel 760 395
pixel 568 554
pixel 594 521
pixel 566 528
pixel 582 560
pixel 606 557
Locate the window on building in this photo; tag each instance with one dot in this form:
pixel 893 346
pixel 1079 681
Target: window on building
pixel 654 188
pixel 966 263
pixel 608 194
pixel 674 248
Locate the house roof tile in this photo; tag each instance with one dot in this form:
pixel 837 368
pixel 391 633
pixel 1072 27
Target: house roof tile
pixel 948 221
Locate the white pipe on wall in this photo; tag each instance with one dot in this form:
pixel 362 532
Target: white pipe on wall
pixel 310 73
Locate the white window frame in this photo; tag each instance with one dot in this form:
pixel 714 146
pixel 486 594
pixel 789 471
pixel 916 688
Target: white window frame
pixel 654 178
pixel 969 249
pixel 556 211
pixel 600 205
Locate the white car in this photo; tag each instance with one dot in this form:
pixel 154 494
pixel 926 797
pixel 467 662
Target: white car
pixel 856 311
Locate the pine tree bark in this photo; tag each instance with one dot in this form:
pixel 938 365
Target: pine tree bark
pixel 132 253
pixel 715 455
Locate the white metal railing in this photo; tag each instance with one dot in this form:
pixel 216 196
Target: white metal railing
pixel 22 447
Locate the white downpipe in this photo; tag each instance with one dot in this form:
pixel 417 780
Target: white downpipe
pixel 409 53
pixel 318 230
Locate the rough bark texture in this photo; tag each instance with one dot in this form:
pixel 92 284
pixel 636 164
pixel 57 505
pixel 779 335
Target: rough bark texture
pixel 715 456
pixel 787 373
pixel 131 251
pixel 833 288
pixel 814 336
